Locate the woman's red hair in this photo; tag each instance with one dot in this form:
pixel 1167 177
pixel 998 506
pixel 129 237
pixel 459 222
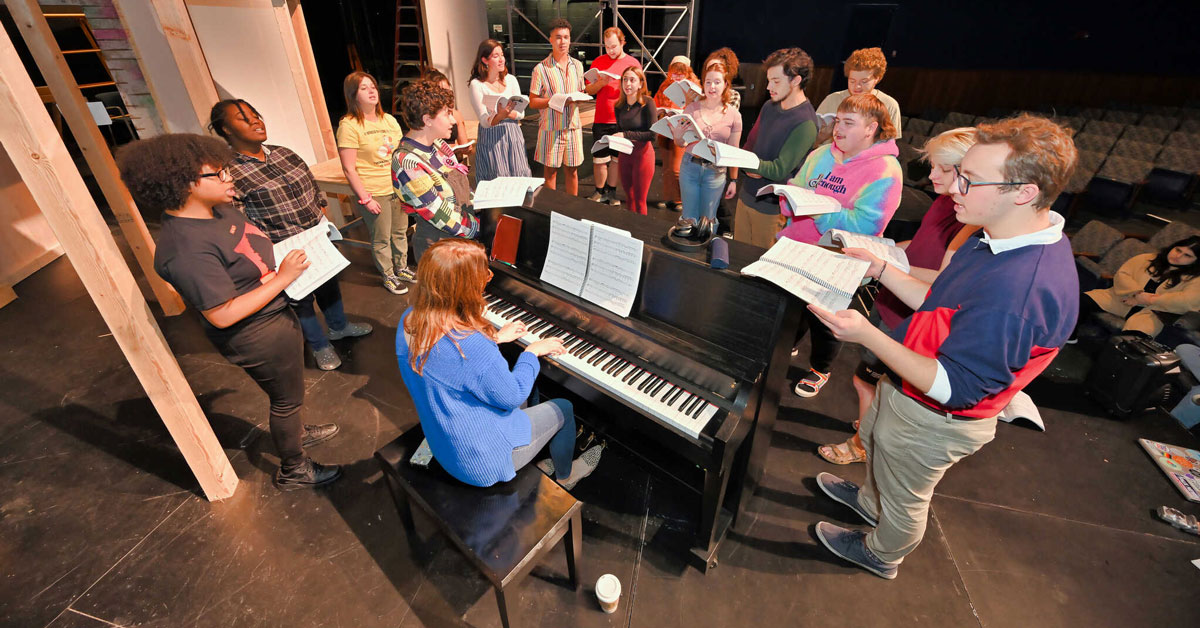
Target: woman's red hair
pixel 447 298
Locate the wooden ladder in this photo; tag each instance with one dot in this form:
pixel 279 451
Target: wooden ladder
pixel 72 30
pixel 411 51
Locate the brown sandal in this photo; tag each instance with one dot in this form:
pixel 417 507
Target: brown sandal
pixel 842 453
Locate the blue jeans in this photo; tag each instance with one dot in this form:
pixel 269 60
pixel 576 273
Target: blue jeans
pixel 553 423
pixel 329 298
pixel 701 189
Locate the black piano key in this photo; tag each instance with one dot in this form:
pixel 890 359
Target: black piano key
pixel 675 397
pixel 589 351
pixel 528 318
pixel 559 332
pixel 653 379
pixel 686 405
pixel 659 387
pixel 635 372
pixel 621 367
pixel 691 407
pixel 599 357
pixel 503 309
pixel 610 363
pixel 580 348
pixel 537 327
pixel 699 410
pixel 571 341
pixel 615 366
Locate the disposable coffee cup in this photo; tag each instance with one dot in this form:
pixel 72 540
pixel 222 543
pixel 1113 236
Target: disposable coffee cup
pixel 608 592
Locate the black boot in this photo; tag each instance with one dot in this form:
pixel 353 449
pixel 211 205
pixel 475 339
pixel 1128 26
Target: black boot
pixel 307 474
pixel 316 434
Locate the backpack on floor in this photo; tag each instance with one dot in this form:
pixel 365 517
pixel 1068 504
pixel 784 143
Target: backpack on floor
pixel 1133 373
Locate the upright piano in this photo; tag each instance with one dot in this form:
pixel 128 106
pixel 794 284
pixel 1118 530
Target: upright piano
pixel 689 382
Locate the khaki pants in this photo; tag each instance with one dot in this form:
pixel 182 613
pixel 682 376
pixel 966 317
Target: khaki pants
pixel 389 234
pixel 754 227
pixel 909 448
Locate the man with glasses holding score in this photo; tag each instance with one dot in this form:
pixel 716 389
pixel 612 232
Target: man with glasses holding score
pixel 993 320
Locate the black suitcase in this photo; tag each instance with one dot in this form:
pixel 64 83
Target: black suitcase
pixel 1132 374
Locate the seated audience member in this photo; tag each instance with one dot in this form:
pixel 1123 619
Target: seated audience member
pixel 1150 291
pixel 702 183
pixel 469 401
pixel 939 235
pixel 729 62
pixel 607 92
pixel 864 69
pixel 458 134
pixel 782 137
pixel 366 137
pixel 990 323
pixel 428 179
pixel 500 151
pixel 225 269
pixel 679 70
pixel 278 193
pixel 560 133
pixel 860 170
pixel 635 114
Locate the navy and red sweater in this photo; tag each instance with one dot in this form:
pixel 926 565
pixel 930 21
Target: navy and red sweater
pixel 994 321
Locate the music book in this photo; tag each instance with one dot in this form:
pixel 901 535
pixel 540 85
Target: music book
pixel 815 275
pixel 504 191
pixel 558 102
pixel 679 127
pixel 677 92
pixel 504 243
pixel 593 75
pixel 725 155
pixel 593 261
pixel 493 102
pixel 825 120
pixel 1022 409
pixel 802 201
pixel 324 260
pixel 883 248
pixel 619 144
pixel 458 147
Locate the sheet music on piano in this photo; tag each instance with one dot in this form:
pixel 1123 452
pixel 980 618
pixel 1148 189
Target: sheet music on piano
pixel 594 261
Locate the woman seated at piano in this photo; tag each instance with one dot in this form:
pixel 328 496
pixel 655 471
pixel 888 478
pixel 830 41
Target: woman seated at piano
pixel 428 179
pixel 469 400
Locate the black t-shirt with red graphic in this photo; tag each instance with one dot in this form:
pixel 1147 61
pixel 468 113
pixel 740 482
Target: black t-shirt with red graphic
pixel 210 261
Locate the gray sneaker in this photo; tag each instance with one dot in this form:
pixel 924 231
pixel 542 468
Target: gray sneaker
pixel 407 274
pixel 327 358
pixel 845 493
pixel 851 545
pixel 351 330
pixel 393 285
pixel 598 196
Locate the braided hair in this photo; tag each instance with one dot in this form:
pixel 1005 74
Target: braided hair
pixel 218 117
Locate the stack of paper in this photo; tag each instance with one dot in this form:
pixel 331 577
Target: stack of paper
pixel 594 261
pixel 504 191
pixel 802 201
pixel 324 260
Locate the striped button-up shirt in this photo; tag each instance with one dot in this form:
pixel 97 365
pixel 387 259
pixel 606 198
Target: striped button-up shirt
pixel 279 195
pixel 549 79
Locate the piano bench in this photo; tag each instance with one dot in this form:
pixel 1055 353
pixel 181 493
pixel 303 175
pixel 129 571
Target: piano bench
pixel 503 530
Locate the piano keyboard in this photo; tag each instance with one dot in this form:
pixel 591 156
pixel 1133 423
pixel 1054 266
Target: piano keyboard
pixel 640 388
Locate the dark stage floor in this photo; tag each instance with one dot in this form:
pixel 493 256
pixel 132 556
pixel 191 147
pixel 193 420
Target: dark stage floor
pixel 101 523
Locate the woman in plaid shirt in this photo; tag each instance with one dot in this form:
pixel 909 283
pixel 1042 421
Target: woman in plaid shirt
pixel 278 193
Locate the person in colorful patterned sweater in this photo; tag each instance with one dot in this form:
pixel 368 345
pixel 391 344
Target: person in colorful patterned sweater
pixel 990 323
pixel 860 170
pixel 428 179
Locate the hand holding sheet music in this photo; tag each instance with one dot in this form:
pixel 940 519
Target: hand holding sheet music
pixel 594 75
pixel 883 248
pixel 802 201
pixel 725 155
pixel 612 142
pixel 678 91
pixel 324 260
pixel 558 102
pixel 681 128
pixel 816 276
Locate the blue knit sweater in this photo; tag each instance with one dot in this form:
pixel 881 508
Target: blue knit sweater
pixel 468 404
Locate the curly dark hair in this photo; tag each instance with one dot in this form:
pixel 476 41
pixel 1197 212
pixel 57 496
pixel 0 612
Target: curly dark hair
pixel 558 23
pixel 794 62
pixel 218 116
pixel 423 98
pixel 1162 269
pixel 159 171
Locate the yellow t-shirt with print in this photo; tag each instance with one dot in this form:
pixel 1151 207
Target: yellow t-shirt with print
pixel 375 142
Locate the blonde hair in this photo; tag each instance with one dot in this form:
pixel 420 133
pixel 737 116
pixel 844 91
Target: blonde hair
pixel 869 59
pixel 873 108
pixel 1040 152
pixel 949 147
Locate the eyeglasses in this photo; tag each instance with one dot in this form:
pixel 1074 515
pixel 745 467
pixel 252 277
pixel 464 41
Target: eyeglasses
pixel 222 175
pixel 965 184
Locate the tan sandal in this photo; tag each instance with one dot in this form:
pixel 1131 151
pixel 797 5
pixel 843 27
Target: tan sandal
pixel 842 453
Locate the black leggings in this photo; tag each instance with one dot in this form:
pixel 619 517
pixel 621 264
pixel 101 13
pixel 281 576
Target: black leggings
pixel 825 347
pixel 271 350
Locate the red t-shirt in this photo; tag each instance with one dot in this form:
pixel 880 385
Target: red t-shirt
pixel 607 97
pixel 926 250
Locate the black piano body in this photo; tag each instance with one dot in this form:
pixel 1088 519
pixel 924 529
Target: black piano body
pixel 715 333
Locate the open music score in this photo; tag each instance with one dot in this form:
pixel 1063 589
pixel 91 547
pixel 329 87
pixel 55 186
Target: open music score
pixel 324 260
pixel 816 276
pixel 593 261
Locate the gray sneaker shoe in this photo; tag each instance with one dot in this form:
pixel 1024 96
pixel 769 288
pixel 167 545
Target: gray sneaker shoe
pixel 598 196
pixel 845 493
pixel 582 467
pixel 393 285
pixel 327 358
pixel 351 330
pixel 407 274
pixel 851 545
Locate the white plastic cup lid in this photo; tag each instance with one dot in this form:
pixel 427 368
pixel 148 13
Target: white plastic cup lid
pixel 608 587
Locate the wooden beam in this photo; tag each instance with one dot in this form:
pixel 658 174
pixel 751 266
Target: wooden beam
pixel 37 151
pixel 189 58
pixel 300 29
pixel 300 79
pixel 40 41
pixel 7 295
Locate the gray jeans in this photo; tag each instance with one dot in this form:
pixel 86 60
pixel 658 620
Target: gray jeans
pixel 552 423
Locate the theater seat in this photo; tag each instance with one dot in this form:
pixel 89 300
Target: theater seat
pixel 1173 180
pixel 1114 188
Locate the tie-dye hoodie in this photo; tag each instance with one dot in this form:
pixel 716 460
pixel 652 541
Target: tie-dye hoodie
pixel 868 186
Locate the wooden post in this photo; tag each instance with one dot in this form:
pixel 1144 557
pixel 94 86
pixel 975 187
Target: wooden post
pixel 49 58
pixel 304 87
pixel 189 58
pixel 40 156
pixel 300 30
